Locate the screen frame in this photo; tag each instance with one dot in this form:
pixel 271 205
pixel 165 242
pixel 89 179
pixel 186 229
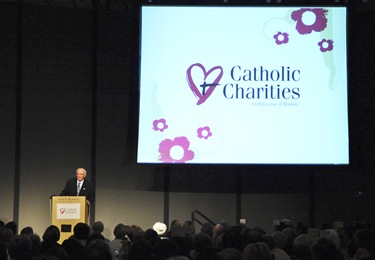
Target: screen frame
pixel 264 4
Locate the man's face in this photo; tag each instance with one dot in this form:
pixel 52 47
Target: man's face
pixel 81 174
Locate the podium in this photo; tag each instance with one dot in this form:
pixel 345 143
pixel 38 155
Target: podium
pixel 66 212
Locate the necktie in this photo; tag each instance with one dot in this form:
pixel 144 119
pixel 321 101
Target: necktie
pixel 78 188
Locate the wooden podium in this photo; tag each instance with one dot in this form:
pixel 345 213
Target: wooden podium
pixel 66 212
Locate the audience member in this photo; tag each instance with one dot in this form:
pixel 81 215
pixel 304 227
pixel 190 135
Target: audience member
pixel 189 228
pixel 201 242
pixel 97 249
pixel 151 236
pixel 3 251
pixel 207 228
pixel 50 238
pixel 12 226
pixel 257 251
pixel 81 232
pixel 35 244
pixel 161 229
pixel 135 233
pixel 325 249
pixel 365 241
pixel 226 242
pixel 56 252
pixel 290 236
pixel 27 231
pixel 98 228
pixel 166 248
pixel 141 250
pixel 175 228
pixel 249 236
pixel 302 247
pixel 19 248
pixel 115 245
pixel 278 253
pixel 94 236
pixel 73 247
pixel 229 254
pixel 6 235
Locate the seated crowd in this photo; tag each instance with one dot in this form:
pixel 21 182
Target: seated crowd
pixel 181 242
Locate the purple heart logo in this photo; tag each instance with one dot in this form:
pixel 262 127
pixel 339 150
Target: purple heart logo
pixel 207 88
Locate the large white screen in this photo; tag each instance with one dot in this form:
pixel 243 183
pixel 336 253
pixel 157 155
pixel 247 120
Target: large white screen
pixel 249 85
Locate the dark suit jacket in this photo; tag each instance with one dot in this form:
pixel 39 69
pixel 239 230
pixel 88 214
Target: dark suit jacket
pixel 87 189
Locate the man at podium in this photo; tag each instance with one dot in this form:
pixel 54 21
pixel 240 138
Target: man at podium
pixel 79 186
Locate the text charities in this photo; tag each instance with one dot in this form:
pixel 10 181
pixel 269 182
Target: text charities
pixel 272 91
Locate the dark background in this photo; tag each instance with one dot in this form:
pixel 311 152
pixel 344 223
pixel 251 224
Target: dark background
pixel 69 98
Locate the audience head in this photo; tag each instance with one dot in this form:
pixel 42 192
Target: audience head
pixel 229 254
pixel 120 231
pixel 81 231
pixel 325 249
pixel 176 229
pixel 284 223
pixel 178 257
pixel 140 250
pixel 35 244
pixel 269 240
pixel 280 239
pixel 27 231
pixel 207 228
pixel 166 248
pixel 98 227
pixel 250 236
pixel 302 246
pixel 189 228
pixel 232 239
pixel 6 234
pixel 56 252
pixel 12 226
pixel 258 251
pixel 201 241
pixel 365 239
pixel 19 248
pixel 73 247
pixel 160 228
pixel 175 222
pixel 98 249
pixel 51 234
pixel 332 235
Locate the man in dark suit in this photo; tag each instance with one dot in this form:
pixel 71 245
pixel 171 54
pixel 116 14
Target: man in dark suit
pixel 80 186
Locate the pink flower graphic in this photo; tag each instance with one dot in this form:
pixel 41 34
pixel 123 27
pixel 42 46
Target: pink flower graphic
pixel 281 38
pixel 326 45
pixel 175 151
pixel 204 132
pixel 310 19
pixel 160 125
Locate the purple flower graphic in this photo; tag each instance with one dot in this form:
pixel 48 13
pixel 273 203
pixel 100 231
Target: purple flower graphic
pixel 310 19
pixel 281 38
pixel 176 150
pixel 160 125
pixel 325 45
pixel 204 132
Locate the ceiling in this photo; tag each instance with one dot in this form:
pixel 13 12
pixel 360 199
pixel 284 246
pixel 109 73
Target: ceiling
pixel 129 4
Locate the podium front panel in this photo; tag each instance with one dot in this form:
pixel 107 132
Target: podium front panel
pixel 67 211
